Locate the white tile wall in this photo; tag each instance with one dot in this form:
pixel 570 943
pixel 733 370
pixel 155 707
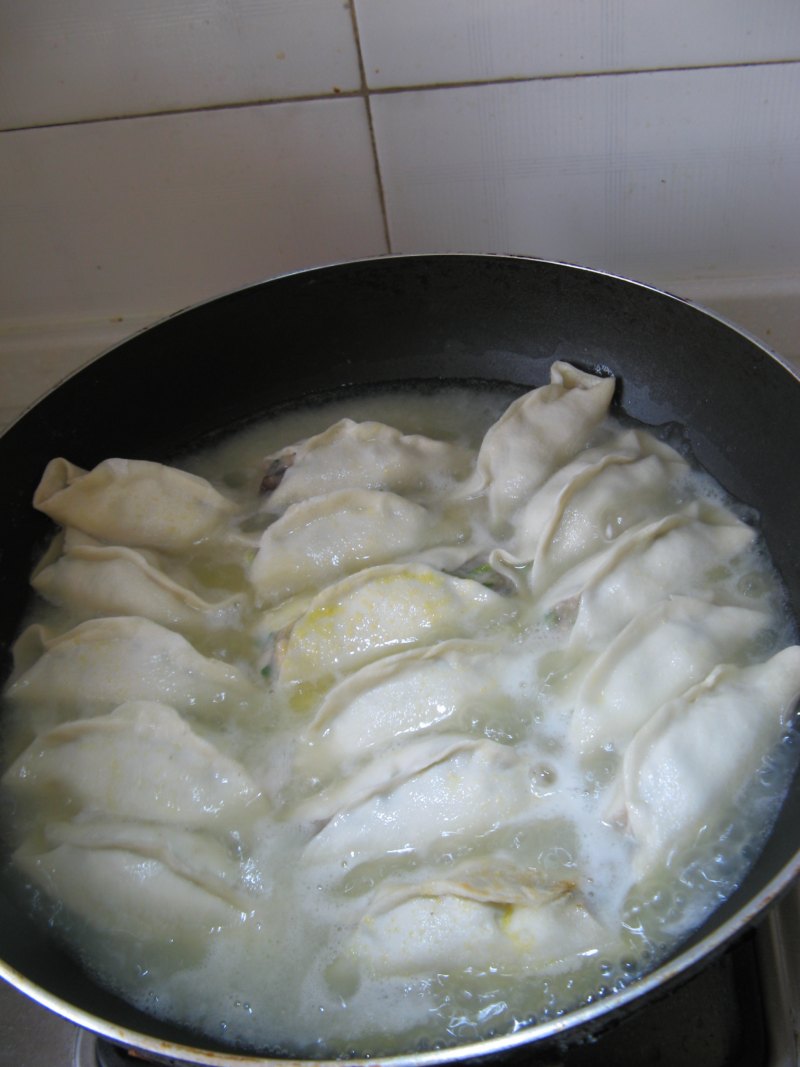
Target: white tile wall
pixel 656 175
pixel 154 154
pixel 89 59
pixel 431 42
pixel 150 214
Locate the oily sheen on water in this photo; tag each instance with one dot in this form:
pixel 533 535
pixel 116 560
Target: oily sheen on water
pixel 395 723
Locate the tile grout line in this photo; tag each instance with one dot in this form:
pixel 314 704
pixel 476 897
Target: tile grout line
pixel 364 92
pixel 362 73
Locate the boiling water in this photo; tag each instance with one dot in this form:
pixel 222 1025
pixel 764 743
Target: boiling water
pixel 284 978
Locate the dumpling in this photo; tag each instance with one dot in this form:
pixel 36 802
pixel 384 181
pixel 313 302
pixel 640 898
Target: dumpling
pixel 688 760
pixel 141 761
pixel 680 553
pixel 363 455
pixel 382 610
pixel 328 537
pixel 133 502
pixel 196 855
pixel 655 658
pixel 487 880
pixel 414 692
pixel 486 914
pixel 479 787
pixel 600 502
pixel 90 580
pixel 593 499
pixel 122 894
pixel 536 435
pixel 101 663
pixel 388 769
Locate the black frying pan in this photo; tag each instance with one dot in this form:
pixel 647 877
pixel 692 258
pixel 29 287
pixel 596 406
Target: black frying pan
pixel 448 317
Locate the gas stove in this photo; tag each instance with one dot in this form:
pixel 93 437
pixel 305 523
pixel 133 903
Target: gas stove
pixel 742 1010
